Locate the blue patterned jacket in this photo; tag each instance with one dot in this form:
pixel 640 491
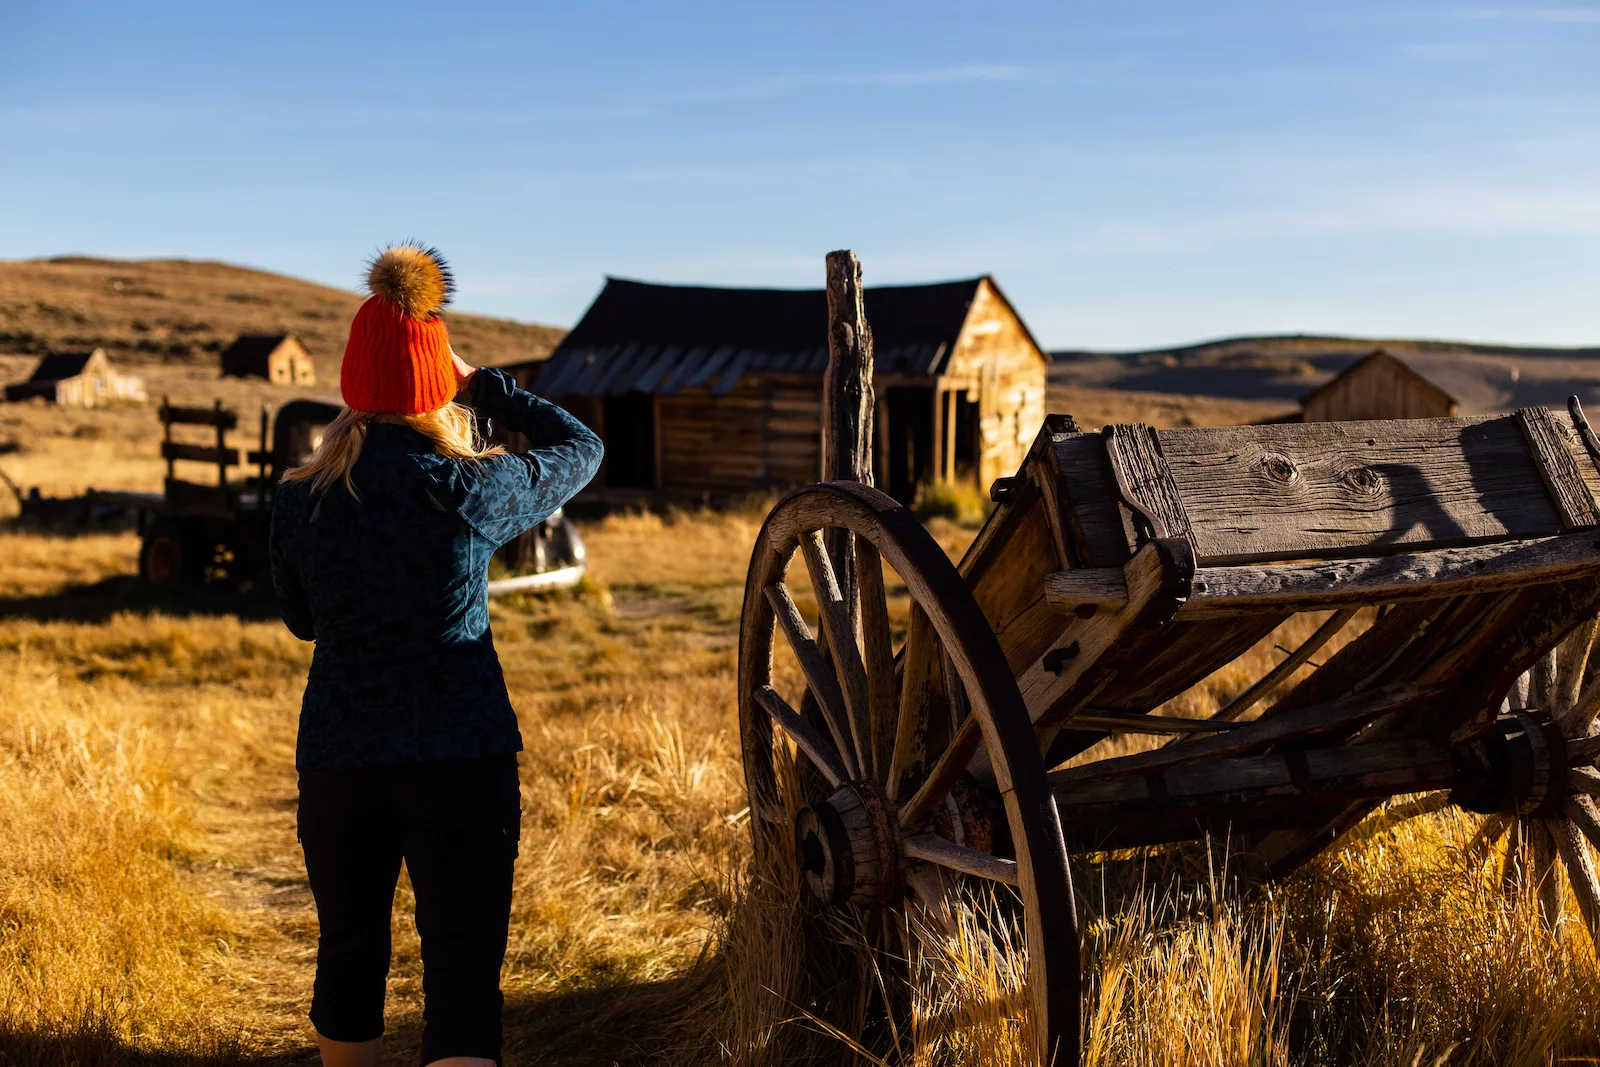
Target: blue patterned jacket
pixel 392 586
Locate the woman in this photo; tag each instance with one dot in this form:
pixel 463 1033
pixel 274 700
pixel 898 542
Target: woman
pixel 407 745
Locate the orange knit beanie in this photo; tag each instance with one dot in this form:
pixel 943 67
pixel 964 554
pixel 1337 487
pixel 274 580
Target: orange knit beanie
pixel 397 360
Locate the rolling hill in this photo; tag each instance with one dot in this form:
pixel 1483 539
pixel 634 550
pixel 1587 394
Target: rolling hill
pixel 1283 368
pixel 168 311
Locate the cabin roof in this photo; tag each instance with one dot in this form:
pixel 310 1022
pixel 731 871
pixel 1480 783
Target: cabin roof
pixel 60 365
pixel 1377 355
pixel 661 338
pixel 254 345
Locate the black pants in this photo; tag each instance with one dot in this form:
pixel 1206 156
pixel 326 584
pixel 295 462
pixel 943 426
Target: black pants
pixel 455 824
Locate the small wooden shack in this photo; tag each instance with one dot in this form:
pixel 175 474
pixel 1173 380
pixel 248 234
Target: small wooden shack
pixel 703 393
pixel 1378 387
pixel 280 358
pixel 78 379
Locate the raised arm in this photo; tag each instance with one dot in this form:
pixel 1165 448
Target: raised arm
pixel 513 493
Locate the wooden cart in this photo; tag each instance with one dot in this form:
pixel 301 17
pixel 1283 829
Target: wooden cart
pixel 1458 560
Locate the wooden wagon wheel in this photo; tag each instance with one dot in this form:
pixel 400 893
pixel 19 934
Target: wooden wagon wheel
pixel 1558 820
pixel 875 727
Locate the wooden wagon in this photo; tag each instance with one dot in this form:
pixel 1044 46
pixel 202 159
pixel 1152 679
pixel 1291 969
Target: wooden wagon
pixel 1456 559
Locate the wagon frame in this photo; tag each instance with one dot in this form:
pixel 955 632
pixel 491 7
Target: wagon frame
pixel 1120 569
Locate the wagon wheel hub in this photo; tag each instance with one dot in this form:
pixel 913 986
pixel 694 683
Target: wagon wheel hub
pixel 1516 767
pixel 849 846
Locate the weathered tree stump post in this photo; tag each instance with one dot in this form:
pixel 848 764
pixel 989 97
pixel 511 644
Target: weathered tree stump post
pixel 847 403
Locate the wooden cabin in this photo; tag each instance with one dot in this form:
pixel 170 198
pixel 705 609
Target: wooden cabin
pixel 78 379
pixel 706 394
pixel 1378 387
pixel 280 358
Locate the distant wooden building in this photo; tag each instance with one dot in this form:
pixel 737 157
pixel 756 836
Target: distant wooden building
pixel 1378 387
pixel 280 358
pixel 704 393
pixel 78 379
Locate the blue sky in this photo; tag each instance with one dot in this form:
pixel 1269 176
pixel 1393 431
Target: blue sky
pixel 1133 173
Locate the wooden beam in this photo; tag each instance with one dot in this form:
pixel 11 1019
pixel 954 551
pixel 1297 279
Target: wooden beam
pixel 1315 585
pixel 1291 663
pixel 1097 587
pixel 1298 724
pixel 847 407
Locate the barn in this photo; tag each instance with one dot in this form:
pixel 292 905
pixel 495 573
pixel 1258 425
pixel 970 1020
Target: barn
pixel 1377 387
pixel 280 358
pixel 78 379
pixel 706 394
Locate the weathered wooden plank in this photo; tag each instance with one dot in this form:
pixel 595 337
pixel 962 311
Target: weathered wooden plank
pixel 1350 710
pixel 1255 493
pixel 1346 772
pixel 1552 453
pixel 1445 572
pixel 1290 663
pixel 1144 479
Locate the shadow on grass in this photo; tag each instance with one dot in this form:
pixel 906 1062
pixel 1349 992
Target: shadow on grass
pixel 99 602
pixel 626 1026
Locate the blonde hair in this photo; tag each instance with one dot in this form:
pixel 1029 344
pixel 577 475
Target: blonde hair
pixel 452 429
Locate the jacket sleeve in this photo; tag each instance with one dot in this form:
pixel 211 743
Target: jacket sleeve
pixel 292 602
pixel 509 494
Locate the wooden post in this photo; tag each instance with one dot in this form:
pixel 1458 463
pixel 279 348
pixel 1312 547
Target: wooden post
pixel 847 405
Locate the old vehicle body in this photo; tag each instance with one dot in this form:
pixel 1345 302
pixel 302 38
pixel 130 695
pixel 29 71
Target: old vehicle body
pixel 194 532
pixel 1006 722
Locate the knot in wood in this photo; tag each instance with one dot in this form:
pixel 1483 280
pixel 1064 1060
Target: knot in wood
pixel 1279 467
pixel 1363 481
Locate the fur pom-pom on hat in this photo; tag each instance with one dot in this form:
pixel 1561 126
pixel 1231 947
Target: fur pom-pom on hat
pixel 398 359
pixel 416 280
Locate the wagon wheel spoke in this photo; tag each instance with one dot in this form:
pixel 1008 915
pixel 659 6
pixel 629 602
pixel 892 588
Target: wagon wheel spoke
pixel 919 693
pixel 943 775
pixel 1574 852
pixel 819 677
pixel 1546 880
pixel 806 738
pixel 934 849
pixel 1572 656
pixel 877 644
pixel 839 629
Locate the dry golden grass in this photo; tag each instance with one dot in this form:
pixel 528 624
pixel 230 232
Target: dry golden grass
pixel 1094 408
pixel 152 904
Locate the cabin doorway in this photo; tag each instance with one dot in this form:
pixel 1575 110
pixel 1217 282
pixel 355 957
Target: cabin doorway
pixel 906 441
pixel 629 423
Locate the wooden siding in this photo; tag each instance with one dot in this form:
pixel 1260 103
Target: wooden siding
pixel 1000 360
pixel 1380 387
pixel 763 436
